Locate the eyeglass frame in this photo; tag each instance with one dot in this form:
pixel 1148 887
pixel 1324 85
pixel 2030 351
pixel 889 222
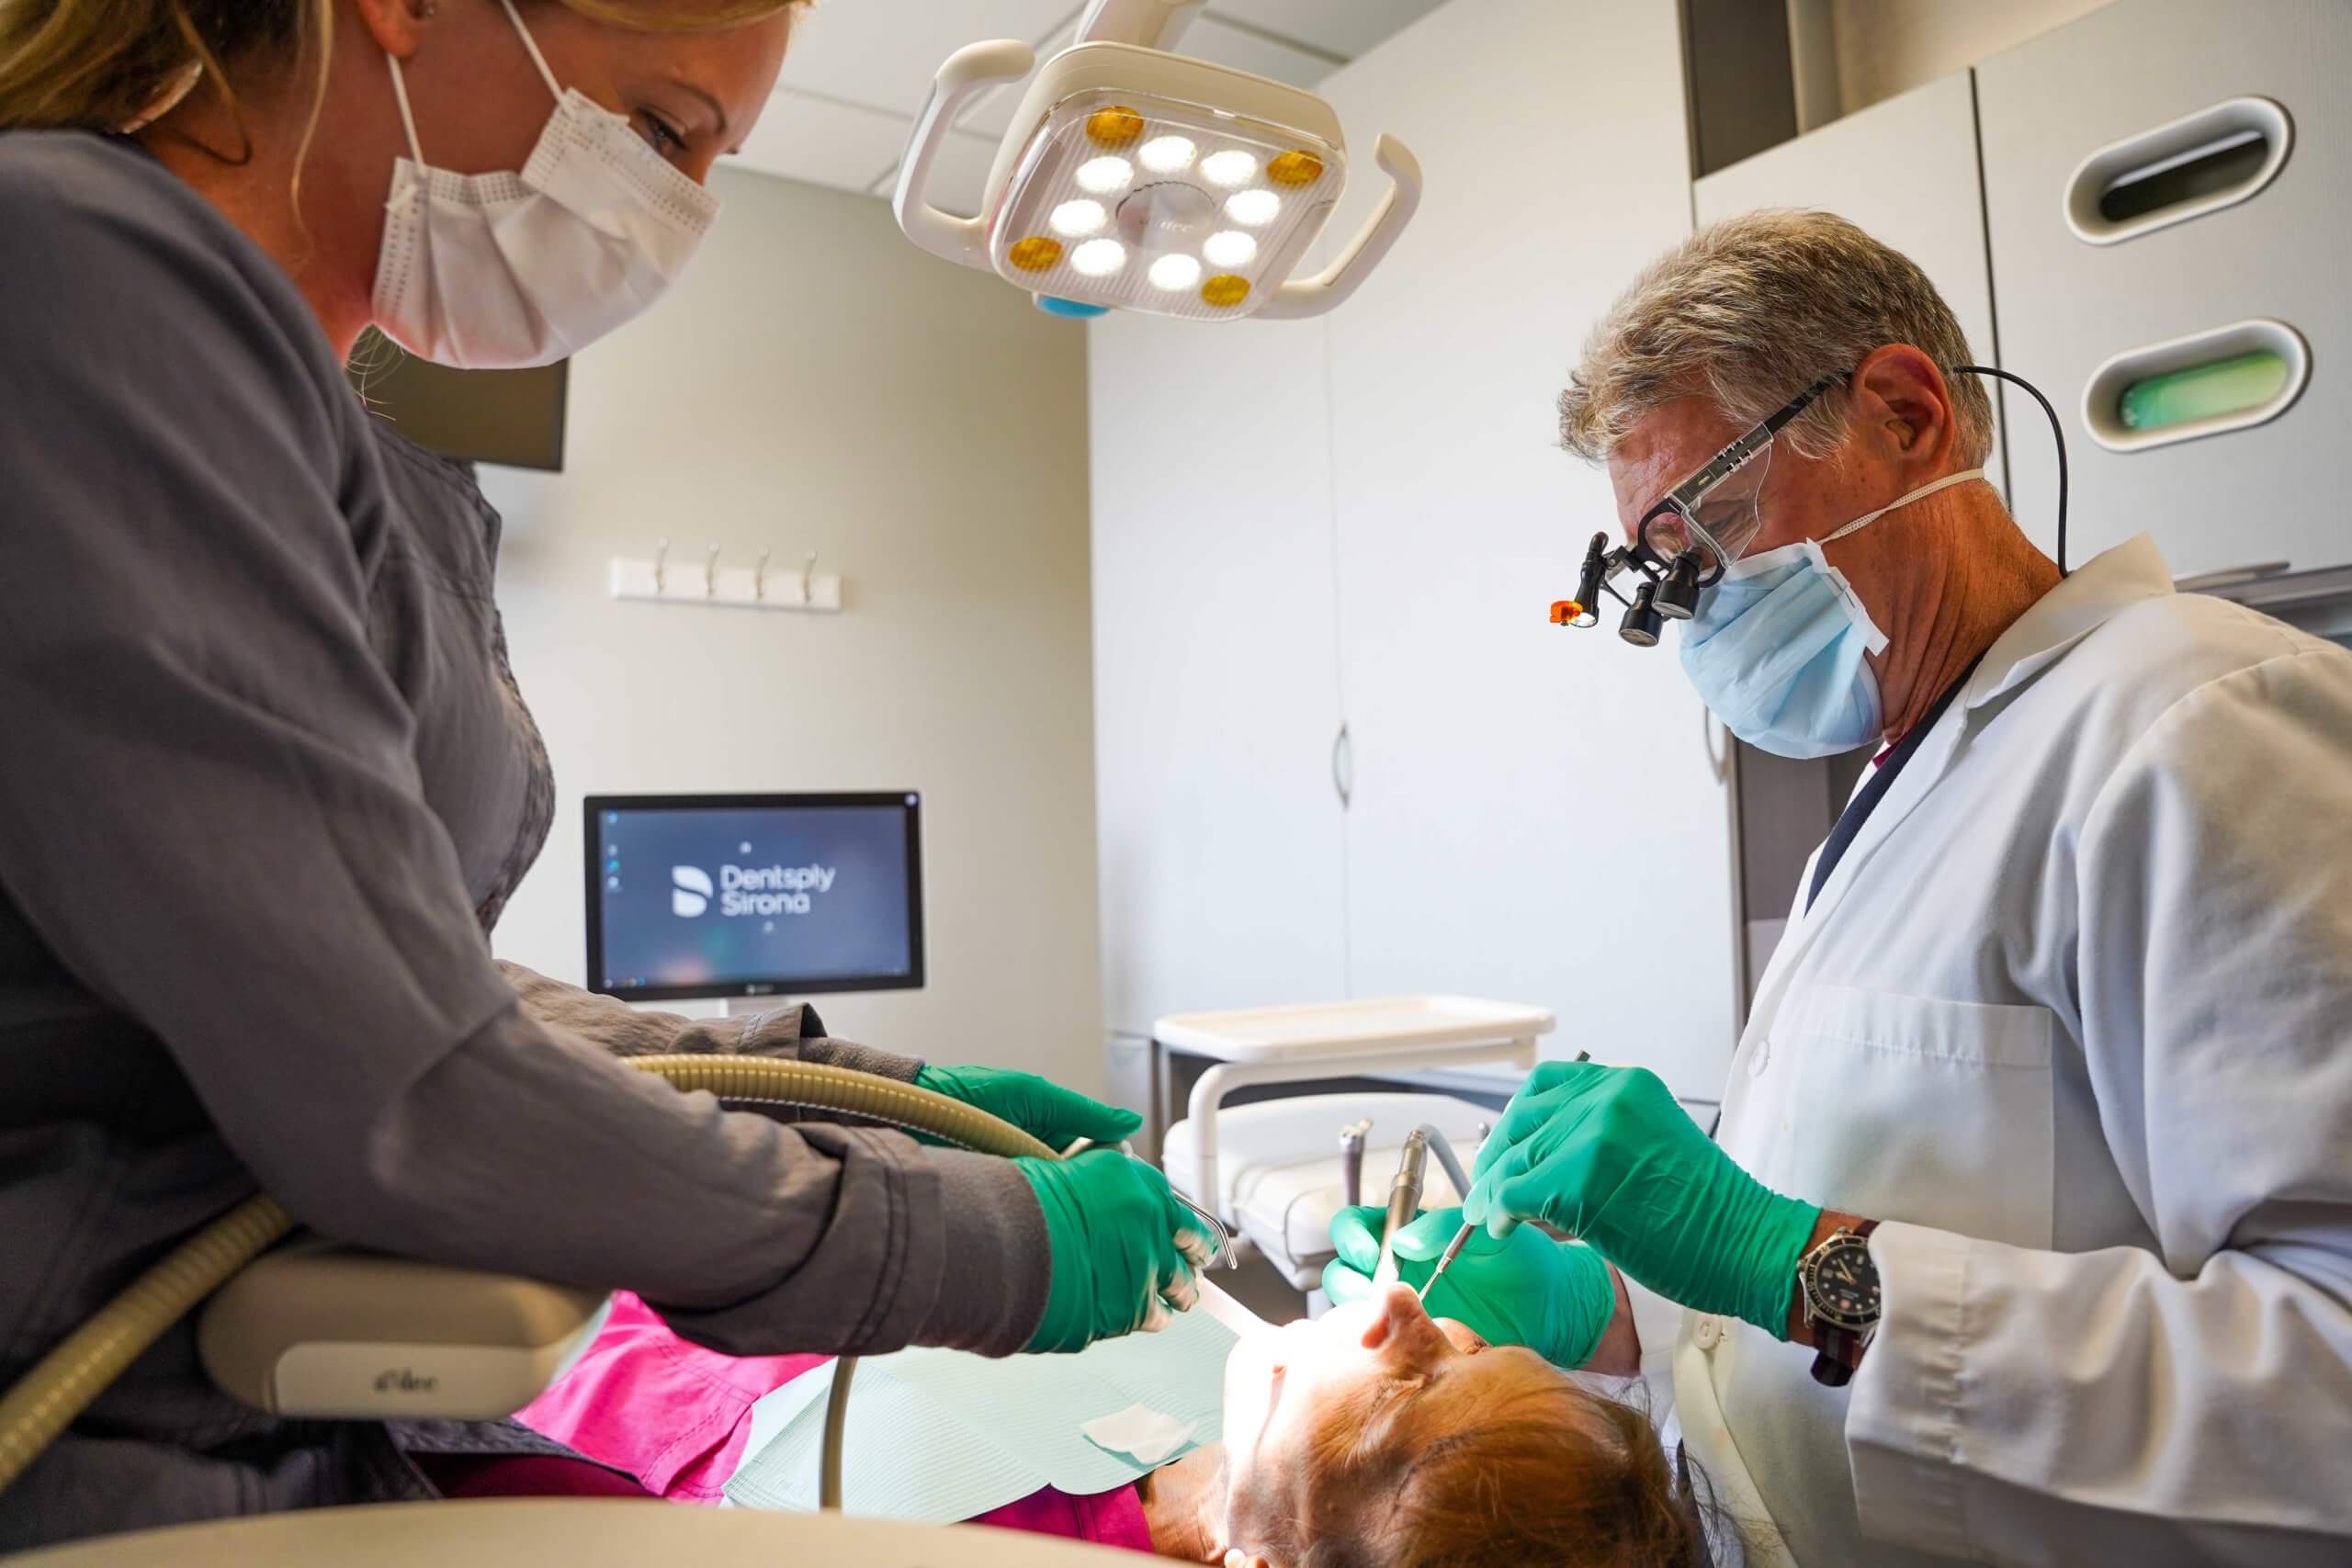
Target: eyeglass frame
pixel 1682 501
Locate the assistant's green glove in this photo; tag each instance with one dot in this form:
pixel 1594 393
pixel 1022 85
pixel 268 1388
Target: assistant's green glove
pixel 1046 1112
pixel 1123 1248
pixel 1556 1298
pixel 1606 1155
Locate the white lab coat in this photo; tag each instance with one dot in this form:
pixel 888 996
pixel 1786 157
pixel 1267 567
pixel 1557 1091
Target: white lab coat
pixel 2073 1018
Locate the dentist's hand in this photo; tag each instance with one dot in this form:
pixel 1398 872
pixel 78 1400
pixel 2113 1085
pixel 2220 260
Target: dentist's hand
pixel 1046 1112
pixel 1556 1298
pixel 1606 1155
pixel 1123 1248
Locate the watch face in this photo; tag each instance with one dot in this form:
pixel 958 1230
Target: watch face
pixel 1841 1284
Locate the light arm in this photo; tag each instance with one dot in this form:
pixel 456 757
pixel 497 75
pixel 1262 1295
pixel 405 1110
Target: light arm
pixel 966 74
pixel 1312 295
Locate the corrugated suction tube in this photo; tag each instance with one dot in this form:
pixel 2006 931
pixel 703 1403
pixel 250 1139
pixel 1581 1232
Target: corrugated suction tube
pixel 63 1384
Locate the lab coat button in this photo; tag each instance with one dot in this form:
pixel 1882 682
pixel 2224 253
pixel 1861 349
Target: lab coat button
pixel 1706 1330
pixel 1759 1056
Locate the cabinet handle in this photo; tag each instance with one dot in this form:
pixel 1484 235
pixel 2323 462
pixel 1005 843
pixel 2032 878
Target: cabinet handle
pixel 1344 767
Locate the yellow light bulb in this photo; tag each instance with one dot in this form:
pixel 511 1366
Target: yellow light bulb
pixel 1117 125
pixel 1294 169
pixel 1034 254
pixel 1225 290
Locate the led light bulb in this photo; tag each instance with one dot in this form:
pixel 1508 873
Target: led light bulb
pixel 1229 248
pixel 1254 207
pixel 1173 273
pixel 1072 218
pixel 1099 258
pixel 1034 254
pixel 1167 154
pixel 1225 290
pixel 1229 168
pixel 1103 175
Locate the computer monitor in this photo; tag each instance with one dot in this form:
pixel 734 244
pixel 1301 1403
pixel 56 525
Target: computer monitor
pixel 754 894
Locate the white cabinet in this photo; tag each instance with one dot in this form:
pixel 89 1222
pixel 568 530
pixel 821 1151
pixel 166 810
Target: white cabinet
pixel 2073 294
pixel 1217 697
pixel 1535 814
pixel 1904 171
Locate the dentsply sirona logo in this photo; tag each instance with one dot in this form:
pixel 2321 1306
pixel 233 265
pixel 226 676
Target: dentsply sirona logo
pixel 689 890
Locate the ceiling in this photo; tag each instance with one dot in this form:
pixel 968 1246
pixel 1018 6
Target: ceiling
pixel 859 70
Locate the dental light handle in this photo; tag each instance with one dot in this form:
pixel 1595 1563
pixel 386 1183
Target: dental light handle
pixel 1331 286
pixel 1150 24
pixel 1404 1202
pixel 967 72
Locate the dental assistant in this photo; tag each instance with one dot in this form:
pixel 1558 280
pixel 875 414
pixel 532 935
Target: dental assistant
pixel 266 781
pixel 2027 1235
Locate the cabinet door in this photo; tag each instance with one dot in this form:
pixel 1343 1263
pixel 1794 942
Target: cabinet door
pixel 1536 816
pixel 1904 172
pixel 2272 491
pixel 1215 675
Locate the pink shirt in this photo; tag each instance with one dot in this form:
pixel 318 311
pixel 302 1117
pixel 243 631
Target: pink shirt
pixel 676 1417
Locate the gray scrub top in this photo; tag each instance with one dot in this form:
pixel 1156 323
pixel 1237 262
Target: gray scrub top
pixel 264 781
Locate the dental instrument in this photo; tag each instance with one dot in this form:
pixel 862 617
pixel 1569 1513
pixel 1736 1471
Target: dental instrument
pixel 1461 1236
pixel 1404 1201
pixel 1351 1137
pixel 1132 177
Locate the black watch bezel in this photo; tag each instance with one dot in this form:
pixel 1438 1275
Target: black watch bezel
pixel 1818 1309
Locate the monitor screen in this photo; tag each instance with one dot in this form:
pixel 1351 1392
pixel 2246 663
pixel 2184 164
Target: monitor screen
pixel 753 895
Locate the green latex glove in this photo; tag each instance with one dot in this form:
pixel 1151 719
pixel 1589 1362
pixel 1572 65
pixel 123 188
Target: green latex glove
pixel 1606 1155
pixel 1046 1112
pixel 1556 1298
pixel 1123 1248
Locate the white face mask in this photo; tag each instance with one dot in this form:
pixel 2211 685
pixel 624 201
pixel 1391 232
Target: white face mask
pixel 500 270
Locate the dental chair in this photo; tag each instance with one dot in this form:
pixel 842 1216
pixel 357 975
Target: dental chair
pixel 310 1328
pixel 1275 1171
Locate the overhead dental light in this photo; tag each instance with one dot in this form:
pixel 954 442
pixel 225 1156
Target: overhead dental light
pixel 1134 178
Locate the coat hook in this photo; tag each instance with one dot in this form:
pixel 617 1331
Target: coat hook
pixel 661 562
pixel 710 573
pixel 759 578
pixel 807 573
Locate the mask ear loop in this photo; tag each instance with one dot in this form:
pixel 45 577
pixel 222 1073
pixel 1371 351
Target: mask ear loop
pixel 533 45
pixel 1924 491
pixel 408 120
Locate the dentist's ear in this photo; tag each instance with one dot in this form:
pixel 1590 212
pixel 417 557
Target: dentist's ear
pixel 396 26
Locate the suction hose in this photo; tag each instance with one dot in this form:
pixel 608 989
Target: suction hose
pixel 45 1401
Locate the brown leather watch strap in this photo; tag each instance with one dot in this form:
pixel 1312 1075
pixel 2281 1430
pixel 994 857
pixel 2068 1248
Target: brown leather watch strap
pixel 1840 1348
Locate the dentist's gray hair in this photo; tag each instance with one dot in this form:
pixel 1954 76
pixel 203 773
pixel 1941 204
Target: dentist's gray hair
pixel 1750 311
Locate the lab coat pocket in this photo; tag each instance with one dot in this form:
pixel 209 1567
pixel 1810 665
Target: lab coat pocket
pixel 1914 1108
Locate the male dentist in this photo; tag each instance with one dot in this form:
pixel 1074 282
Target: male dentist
pixel 2027 1235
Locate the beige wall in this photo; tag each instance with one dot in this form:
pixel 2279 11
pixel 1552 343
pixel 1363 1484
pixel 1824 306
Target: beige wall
pixel 1885 47
pixel 818 383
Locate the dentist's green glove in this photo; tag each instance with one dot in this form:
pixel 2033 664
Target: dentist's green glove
pixel 1606 1155
pixel 1556 1298
pixel 1046 1112
pixel 1123 1248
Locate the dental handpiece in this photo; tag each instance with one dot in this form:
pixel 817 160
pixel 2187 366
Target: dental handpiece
pixel 1404 1202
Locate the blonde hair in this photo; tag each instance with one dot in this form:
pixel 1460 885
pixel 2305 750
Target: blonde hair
pixel 108 64
pixel 1547 1474
pixel 1751 310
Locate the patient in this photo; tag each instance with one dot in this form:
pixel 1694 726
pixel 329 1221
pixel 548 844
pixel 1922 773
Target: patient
pixel 1373 1436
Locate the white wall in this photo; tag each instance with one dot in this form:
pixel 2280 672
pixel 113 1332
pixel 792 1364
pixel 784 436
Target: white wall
pixel 818 383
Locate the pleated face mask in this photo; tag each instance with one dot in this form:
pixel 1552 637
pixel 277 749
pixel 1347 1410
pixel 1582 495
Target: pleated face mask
pixel 502 270
pixel 1776 649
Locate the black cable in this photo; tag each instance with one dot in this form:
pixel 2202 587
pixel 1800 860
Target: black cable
pixel 2057 433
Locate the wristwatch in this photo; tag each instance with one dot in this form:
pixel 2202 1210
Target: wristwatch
pixel 1841 1301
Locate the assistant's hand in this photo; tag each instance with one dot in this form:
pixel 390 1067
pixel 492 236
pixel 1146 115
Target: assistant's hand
pixel 1046 1112
pixel 1606 1155
pixel 1123 1248
pixel 1553 1297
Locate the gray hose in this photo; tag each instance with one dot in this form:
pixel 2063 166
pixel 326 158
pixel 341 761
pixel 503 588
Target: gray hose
pixel 61 1384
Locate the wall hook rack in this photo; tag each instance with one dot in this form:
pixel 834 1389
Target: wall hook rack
pixel 738 588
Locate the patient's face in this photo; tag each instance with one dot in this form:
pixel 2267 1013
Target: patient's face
pixel 1320 1415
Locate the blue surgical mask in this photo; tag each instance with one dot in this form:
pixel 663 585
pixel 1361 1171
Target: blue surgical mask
pixel 1776 649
